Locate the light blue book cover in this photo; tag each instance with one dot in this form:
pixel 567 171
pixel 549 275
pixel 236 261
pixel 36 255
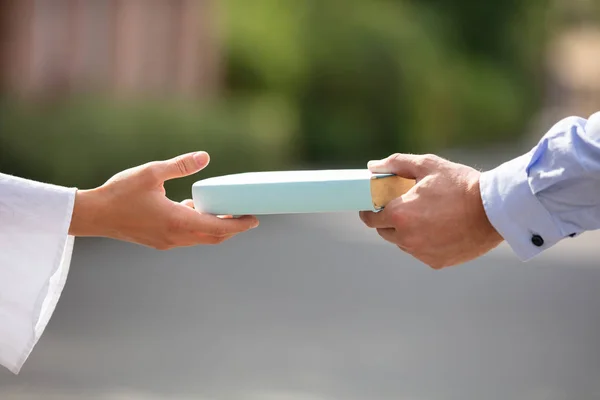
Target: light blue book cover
pixel 285 192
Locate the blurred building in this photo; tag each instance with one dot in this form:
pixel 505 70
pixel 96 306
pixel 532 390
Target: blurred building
pixel 573 58
pixel 120 47
pixel 574 66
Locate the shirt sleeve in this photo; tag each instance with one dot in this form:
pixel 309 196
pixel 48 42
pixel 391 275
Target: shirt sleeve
pixel 553 192
pixel 35 255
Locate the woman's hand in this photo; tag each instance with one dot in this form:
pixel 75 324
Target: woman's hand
pixel 132 206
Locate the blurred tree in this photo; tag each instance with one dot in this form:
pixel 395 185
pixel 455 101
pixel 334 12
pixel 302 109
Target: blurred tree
pixel 369 78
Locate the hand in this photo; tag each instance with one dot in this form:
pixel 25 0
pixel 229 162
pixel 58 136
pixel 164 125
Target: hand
pixel 441 220
pixel 132 206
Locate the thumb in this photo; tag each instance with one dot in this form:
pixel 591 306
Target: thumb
pixel 410 166
pixel 180 166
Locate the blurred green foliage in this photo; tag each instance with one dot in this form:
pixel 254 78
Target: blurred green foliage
pixel 373 77
pixel 85 141
pixel 324 82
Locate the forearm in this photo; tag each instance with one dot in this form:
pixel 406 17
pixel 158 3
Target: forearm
pixel 550 193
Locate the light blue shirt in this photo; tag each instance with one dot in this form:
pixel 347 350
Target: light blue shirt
pixel 550 193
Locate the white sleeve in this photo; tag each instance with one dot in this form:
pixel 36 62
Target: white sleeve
pixel 35 255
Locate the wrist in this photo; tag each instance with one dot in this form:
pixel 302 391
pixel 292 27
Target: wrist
pixel 86 218
pixel 483 225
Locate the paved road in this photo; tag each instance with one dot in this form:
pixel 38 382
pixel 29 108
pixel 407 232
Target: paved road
pixel 318 308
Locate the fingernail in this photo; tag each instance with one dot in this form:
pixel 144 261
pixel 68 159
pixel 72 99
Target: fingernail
pixel 201 158
pixel 373 163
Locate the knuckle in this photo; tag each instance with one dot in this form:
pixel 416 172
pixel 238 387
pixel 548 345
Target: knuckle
pixel 395 158
pixel 421 188
pixel 398 219
pixel 150 171
pixel 221 239
pixel 175 224
pixel 414 243
pixel 433 262
pixel 430 157
pixel 436 265
pixel 182 166
pixel 216 240
pixel 161 246
pixel 401 248
pixel 383 234
pixel 219 231
pixel 428 160
pixel 151 164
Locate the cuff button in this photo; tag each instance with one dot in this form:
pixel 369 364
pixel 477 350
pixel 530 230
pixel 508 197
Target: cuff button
pixel 537 240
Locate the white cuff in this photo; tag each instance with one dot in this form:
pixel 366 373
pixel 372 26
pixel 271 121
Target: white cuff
pixel 35 255
pixel 514 210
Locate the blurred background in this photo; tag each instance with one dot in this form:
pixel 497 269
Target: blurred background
pixel 90 87
pixel 308 307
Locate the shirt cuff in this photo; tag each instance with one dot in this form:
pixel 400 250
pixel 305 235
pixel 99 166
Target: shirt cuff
pixel 515 212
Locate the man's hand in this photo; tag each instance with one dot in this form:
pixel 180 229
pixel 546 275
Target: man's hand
pixel 132 206
pixel 441 220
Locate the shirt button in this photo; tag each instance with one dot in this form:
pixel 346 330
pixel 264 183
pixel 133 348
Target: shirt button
pixel 537 240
